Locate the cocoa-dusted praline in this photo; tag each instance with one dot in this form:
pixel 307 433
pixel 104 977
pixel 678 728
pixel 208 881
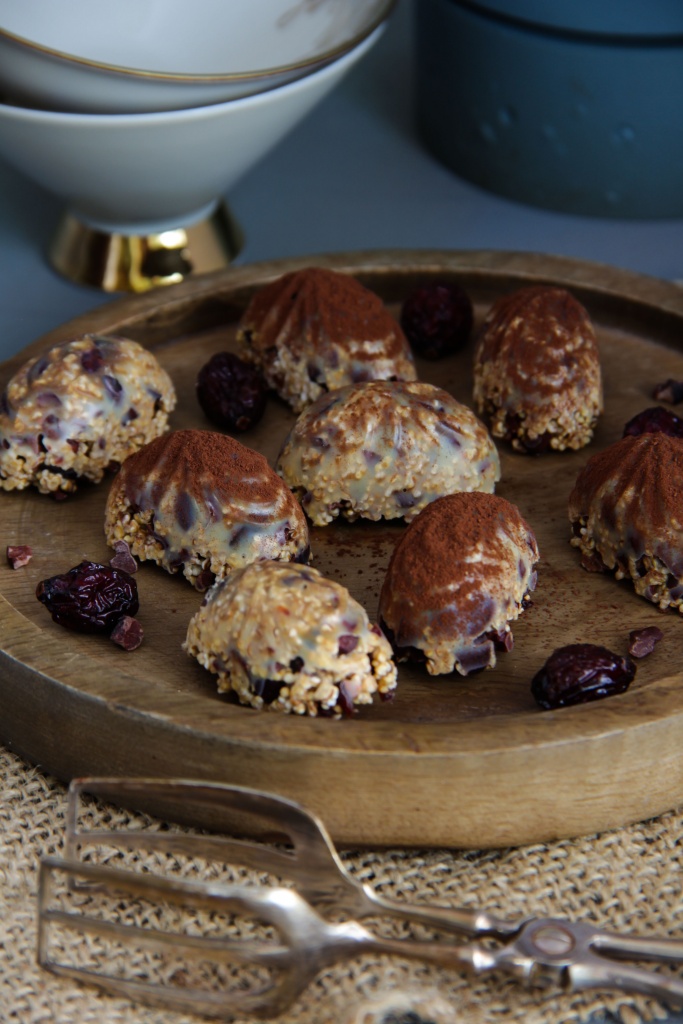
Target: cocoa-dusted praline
pixel 626 512
pixel 461 572
pixel 313 330
pixel 202 503
pixel 537 375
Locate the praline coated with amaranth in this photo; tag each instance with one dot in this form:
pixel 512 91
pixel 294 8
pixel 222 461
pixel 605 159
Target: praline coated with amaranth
pixel 287 637
pixel 537 376
pixel 385 449
pixel 626 511
pixel 313 330
pixel 79 409
pixel 203 503
pixel 458 576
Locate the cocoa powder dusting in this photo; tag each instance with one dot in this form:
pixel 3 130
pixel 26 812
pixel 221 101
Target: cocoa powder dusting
pixel 189 459
pixel 330 307
pixel 649 467
pixel 530 332
pixel 427 555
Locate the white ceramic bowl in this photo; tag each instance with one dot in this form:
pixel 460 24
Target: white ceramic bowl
pixel 148 55
pixel 142 173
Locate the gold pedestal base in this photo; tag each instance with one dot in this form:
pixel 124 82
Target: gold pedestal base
pixel 136 263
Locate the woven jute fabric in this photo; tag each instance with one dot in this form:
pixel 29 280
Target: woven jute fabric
pixel 625 880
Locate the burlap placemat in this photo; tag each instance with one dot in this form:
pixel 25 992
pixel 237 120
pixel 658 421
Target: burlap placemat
pixel 629 879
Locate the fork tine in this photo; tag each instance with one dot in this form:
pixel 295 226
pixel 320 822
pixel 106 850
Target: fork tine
pixel 311 859
pixel 127 883
pixel 263 1004
pixel 263 1001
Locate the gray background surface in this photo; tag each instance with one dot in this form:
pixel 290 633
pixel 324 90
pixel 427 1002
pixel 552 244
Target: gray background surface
pixel 353 175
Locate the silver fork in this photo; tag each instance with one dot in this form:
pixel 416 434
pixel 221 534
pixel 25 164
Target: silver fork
pixel 541 952
pixel 305 853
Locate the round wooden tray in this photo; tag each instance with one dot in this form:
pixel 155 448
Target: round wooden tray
pixel 451 761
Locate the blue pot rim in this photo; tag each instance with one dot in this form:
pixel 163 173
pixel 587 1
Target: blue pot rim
pixel 628 20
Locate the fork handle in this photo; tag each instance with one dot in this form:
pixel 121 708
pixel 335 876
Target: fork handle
pixel 459 920
pixel 643 947
pixel 625 978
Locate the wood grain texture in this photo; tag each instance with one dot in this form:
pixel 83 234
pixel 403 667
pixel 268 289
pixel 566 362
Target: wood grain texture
pixel 452 761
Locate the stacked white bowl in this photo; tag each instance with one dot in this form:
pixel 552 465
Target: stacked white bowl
pixel 141 116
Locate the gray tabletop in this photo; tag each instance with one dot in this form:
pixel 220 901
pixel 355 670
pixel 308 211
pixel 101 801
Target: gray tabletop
pixel 353 175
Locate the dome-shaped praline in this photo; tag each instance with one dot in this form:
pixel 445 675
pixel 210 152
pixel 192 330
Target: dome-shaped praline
pixel 203 503
pixel 626 511
pixel 316 329
pixel 458 576
pixel 78 410
pixel 537 376
pixel 385 449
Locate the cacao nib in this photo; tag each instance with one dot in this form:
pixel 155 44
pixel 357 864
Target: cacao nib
pixel 127 633
pixel 347 643
pixel 113 386
pixel 404 499
pixel 204 580
pixel 90 598
pixel 123 558
pixel 268 689
pixel 184 511
pixel 304 556
pixel 641 642
pixel 44 399
pixel 502 639
pixel 345 702
pixel 654 420
pixel 92 360
pixel 38 368
pixel 19 555
pixel 670 391
pixel 231 393
pixel 437 319
pixel 579 673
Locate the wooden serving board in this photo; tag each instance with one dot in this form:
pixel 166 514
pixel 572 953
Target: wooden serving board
pixel 451 761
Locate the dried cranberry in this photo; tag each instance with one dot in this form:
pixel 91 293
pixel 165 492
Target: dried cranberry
pixel 655 420
pixel 232 393
pixel 90 598
pixel 579 673
pixel 437 319
pixel 670 391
